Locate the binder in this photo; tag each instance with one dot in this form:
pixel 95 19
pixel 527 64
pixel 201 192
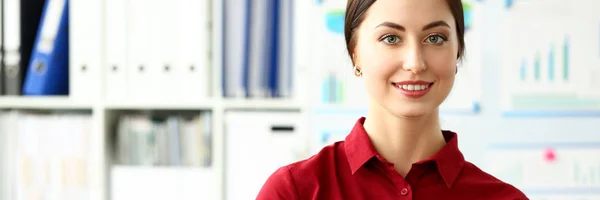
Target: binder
pixel 22 18
pixel 85 48
pixel 116 49
pixel 1 49
pixel 256 73
pixel 165 49
pixel 266 59
pixel 142 65
pixel 273 48
pixel 11 42
pixel 48 70
pixel 193 77
pixel 236 41
pixel 11 23
pixel 283 78
pixel 257 143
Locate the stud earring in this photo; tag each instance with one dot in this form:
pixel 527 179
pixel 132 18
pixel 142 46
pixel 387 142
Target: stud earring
pixel 456 71
pixel 357 71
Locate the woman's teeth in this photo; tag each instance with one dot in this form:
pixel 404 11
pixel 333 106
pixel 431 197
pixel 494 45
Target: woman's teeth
pixel 413 87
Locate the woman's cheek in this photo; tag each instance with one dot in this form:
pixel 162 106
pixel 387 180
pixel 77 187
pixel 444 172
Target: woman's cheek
pixel 444 65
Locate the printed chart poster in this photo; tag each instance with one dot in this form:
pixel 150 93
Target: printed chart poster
pixel 548 171
pixel 551 61
pixel 333 72
pixel 334 80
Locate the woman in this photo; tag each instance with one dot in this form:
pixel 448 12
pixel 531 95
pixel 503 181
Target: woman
pixel 407 53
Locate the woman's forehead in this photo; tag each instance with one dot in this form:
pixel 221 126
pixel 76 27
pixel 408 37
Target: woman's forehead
pixel 408 13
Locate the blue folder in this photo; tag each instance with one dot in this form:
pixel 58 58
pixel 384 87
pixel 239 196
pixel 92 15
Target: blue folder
pixel 48 70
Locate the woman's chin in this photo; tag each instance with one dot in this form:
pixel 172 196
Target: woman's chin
pixel 415 111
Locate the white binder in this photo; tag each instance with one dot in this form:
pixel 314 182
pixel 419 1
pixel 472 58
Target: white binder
pixel 257 143
pixel 193 80
pixel 140 63
pixel 116 65
pixel 85 48
pixel 164 48
pixel 12 33
pixel 1 64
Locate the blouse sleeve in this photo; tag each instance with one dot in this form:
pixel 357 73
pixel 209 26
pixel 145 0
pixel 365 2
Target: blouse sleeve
pixel 280 185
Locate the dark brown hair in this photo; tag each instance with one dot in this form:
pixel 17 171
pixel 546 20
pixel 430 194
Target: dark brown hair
pixel 355 13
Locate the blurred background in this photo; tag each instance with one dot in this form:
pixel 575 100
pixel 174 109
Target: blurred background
pixel 204 99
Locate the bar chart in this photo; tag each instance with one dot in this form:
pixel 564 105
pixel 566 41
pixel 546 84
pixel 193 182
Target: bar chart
pixel 531 67
pixel 551 61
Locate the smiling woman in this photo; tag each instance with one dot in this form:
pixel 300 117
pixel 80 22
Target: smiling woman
pixel 406 52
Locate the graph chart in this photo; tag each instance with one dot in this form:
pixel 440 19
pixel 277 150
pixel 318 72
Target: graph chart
pixel 332 67
pixel 551 169
pixel 551 61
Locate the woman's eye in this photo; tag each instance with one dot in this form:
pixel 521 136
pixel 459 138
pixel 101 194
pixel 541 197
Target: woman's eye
pixel 391 39
pixel 436 39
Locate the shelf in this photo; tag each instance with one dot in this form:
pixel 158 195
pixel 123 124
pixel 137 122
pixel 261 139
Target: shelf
pixel 205 104
pixel 262 104
pixel 56 102
pixel 43 102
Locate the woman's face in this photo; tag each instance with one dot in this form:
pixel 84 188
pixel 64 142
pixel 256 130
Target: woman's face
pixel 407 52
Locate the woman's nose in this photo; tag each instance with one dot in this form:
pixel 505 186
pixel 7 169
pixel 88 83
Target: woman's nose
pixel 413 60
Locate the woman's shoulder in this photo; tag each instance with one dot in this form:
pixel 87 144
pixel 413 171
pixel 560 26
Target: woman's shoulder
pixel 288 180
pixel 488 185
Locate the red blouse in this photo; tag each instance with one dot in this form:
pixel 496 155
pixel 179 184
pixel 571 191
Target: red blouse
pixel 352 169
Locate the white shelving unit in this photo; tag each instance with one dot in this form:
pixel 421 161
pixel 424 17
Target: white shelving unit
pixel 105 111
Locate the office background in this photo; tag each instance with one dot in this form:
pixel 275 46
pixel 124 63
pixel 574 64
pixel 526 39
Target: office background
pixel 203 99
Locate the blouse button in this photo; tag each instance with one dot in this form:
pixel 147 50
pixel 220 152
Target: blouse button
pixel 404 191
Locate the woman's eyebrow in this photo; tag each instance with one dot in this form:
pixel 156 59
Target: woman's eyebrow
pixel 401 28
pixel 392 25
pixel 436 24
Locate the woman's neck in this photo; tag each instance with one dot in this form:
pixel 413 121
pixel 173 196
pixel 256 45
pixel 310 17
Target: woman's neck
pixel 404 141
